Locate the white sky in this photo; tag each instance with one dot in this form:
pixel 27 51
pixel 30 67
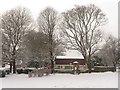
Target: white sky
pixel 109 7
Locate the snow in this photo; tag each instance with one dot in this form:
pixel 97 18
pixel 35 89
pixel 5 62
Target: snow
pixel 73 54
pixel 83 80
pixel 68 57
pixel 2 68
pixel 5 68
pixel 75 62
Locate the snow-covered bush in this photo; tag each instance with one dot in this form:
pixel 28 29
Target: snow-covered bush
pixel 33 64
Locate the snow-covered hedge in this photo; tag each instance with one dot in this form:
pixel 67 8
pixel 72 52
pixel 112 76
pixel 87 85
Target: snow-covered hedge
pixel 103 68
pixel 24 70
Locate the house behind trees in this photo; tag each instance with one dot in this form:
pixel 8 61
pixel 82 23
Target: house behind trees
pixel 73 60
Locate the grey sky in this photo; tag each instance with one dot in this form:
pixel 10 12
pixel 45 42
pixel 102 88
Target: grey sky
pixel 109 7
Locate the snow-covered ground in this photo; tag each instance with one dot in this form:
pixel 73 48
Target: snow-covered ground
pixel 84 80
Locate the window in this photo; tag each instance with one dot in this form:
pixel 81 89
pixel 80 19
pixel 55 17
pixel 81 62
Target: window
pixel 67 67
pixel 57 67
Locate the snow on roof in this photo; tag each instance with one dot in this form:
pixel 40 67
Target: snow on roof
pixel 73 54
pixel 75 62
pixel 67 57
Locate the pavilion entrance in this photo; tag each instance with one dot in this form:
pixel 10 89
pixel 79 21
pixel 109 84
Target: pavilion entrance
pixel 75 67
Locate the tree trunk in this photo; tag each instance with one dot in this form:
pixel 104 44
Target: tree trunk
pixel 51 52
pixel 14 67
pixel 13 58
pixel 87 60
pixel 10 66
pixel 52 62
pixel 52 66
pixel 89 66
pixel 114 66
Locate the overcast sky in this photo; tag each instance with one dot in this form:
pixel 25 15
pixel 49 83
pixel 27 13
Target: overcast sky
pixel 109 7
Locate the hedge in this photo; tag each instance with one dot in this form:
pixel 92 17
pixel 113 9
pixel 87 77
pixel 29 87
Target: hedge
pixel 24 70
pixel 2 73
pixel 103 69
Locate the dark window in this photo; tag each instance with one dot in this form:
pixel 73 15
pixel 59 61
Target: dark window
pixel 67 67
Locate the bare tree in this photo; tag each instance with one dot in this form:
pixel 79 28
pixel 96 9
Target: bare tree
pixel 47 24
pixel 81 26
pixel 118 51
pixel 14 24
pixel 110 51
pixel 0 43
pixel 5 49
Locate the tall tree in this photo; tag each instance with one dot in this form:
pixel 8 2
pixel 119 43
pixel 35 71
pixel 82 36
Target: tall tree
pixel 81 27
pixel 47 24
pixel 0 43
pixel 5 49
pixel 118 50
pixel 36 45
pixel 14 24
pixel 109 52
